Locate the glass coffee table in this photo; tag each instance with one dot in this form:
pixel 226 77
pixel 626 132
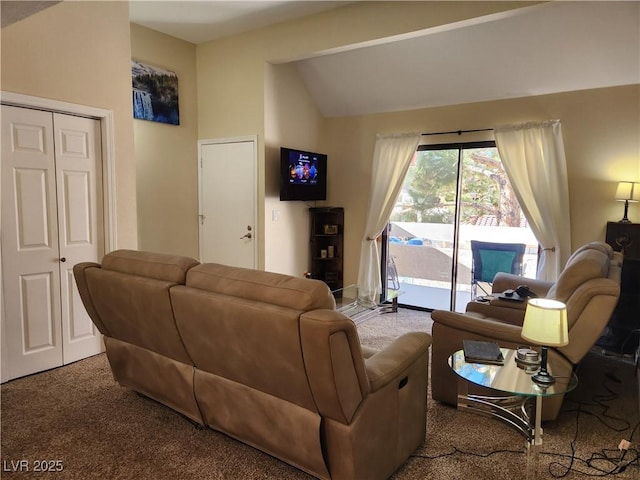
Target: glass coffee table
pixel 509 378
pixel 348 303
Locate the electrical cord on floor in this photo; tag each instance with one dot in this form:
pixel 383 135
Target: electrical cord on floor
pixel 456 450
pixel 601 464
pixel 597 400
pixel 607 461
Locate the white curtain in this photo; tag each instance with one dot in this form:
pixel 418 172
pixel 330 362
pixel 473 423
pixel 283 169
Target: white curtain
pixel 533 157
pixel 391 158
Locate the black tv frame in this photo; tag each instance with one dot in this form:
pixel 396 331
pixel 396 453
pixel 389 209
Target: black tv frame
pixel 297 192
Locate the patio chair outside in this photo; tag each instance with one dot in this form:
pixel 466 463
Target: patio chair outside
pixel 490 258
pixel 392 274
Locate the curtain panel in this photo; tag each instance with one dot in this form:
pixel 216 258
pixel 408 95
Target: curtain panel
pixel 391 159
pixel 534 159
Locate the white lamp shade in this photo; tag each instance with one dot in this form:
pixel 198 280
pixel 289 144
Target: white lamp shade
pixel 545 322
pixel 628 191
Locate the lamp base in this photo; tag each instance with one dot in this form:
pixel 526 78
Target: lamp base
pixel 543 378
pixel 625 219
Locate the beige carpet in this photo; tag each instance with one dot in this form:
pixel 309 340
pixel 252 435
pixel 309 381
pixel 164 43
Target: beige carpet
pixel 77 414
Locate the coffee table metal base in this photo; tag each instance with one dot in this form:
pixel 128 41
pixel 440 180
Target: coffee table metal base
pixel 514 410
pixel 521 405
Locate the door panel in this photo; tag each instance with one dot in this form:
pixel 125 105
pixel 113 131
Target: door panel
pixel 77 227
pixel 228 203
pixel 30 242
pixel 31 208
pixel 79 328
pixel 38 320
pixel 78 174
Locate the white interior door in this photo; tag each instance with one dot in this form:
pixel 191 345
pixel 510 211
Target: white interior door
pixel 79 194
pixel 49 222
pixel 228 174
pixel 30 253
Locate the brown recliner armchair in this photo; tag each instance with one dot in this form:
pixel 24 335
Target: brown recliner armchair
pixel 589 285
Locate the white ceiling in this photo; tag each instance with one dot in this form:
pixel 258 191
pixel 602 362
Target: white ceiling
pixel 545 49
pixel 549 48
pixel 206 20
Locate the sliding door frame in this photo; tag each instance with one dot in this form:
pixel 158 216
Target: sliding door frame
pixel 460 146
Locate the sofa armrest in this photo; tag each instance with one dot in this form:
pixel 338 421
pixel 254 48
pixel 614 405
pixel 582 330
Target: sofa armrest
pixel 486 327
pixel 504 310
pixel 79 273
pixel 385 365
pixel 368 351
pixel 504 281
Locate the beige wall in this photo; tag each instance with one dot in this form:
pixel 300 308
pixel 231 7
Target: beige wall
pixel 166 155
pixel 235 78
pixel 291 120
pixel 601 132
pixel 78 52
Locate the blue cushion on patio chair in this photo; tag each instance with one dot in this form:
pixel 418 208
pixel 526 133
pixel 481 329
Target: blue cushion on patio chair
pixel 490 258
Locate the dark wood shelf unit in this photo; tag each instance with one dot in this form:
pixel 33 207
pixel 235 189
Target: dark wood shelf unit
pixel 324 264
pixel 624 327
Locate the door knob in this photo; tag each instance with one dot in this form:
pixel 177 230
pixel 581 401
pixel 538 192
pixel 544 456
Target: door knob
pixel 246 235
pixel 63 259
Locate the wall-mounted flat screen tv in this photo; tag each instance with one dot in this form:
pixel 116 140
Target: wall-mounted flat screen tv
pixel 303 175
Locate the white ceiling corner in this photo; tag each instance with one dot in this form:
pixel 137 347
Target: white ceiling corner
pixel 199 21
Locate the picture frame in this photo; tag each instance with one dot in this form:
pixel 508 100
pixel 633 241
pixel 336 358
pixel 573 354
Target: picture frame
pixel 329 229
pixel 155 93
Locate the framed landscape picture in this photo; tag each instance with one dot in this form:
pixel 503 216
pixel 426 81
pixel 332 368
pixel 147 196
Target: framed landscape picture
pixel 155 93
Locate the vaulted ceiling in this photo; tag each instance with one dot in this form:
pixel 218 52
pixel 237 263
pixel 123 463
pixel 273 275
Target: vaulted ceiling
pixel 548 48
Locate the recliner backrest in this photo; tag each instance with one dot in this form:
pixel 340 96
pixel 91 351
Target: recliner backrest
pixel 244 325
pixel 268 287
pixel 600 246
pixel 589 285
pixel 129 293
pixel 581 267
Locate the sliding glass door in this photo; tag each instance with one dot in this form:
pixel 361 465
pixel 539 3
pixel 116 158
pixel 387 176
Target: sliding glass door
pixel 452 194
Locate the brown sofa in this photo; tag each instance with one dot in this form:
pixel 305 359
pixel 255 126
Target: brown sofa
pixel 589 285
pixel 262 357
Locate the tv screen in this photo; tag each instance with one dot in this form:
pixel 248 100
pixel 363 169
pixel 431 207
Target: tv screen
pixel 303 175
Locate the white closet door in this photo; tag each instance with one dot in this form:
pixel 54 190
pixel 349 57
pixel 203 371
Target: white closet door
pixel 78 151
pixel 30 253
pixel 51 200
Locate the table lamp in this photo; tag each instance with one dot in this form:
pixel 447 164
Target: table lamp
pixel 627 192
pixel 545 324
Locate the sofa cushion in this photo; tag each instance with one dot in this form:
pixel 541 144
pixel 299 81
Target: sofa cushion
pixel 585 265
pixel 274 288
pixel 160 266
pixel 251 343
pixel 137 310
pixel 600 246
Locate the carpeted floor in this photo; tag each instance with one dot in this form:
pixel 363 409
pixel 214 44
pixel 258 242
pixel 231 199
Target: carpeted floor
pixel 79 416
